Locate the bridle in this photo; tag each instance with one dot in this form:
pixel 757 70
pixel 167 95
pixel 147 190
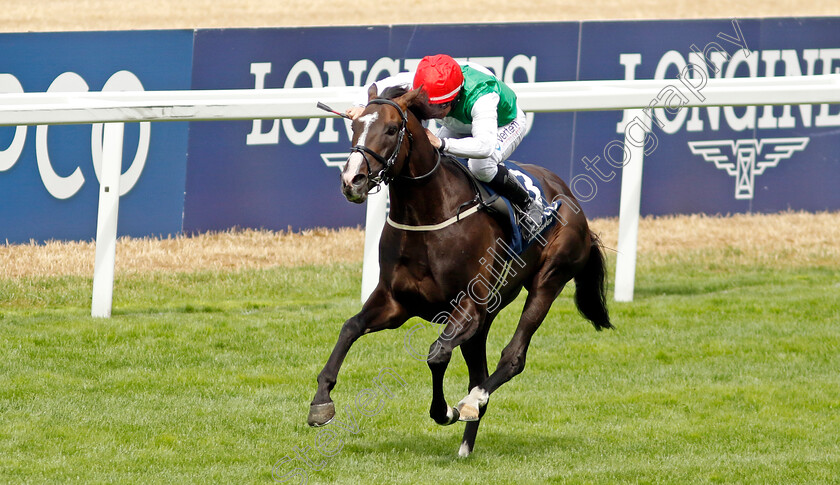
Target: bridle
pixel 384 175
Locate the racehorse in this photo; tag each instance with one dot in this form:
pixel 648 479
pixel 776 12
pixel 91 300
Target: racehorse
pixel 432 253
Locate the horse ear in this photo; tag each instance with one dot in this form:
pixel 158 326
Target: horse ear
pixel 372 92
pixel 408 99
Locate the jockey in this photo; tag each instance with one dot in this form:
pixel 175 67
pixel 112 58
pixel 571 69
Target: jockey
pixel 480 118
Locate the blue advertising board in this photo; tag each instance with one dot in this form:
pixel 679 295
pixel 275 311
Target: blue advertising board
pixel 280 174
pixel 269 174
pixel 48 175
pixel 712 159
pixel 708 159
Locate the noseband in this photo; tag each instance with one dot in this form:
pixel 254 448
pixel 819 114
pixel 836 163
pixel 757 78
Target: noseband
pixel 384 175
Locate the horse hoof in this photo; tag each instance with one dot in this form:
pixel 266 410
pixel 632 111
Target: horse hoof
pixel 467 412
pixel 471 407
pixel 451 417
pixel 321 414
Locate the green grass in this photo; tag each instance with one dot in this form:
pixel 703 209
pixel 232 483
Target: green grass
pixel 713 375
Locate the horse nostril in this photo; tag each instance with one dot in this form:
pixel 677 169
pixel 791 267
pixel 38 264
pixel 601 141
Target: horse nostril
pixel 358 180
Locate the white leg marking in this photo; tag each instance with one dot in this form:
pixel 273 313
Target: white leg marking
pixel 450 414
pixel 470 406
pixel 477 398
pixel 464 451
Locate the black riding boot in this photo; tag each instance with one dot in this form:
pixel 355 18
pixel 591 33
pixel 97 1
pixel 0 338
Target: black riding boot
pixel 507 186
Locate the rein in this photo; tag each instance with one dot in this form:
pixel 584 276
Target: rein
pixel 383 176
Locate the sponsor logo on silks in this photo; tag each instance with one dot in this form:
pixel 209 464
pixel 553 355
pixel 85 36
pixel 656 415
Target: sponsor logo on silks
pixel 751 158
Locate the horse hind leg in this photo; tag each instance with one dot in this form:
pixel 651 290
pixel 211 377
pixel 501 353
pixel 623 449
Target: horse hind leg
pixel 590 298
pixel 475 355
pixel 473 404
pixel 470 434
pixel 512 361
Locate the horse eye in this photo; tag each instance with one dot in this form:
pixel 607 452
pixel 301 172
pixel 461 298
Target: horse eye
pixel 391 131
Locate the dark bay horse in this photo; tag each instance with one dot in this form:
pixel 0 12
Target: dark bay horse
pixel 458 273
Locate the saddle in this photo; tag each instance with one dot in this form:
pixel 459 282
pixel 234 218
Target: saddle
pixel 519 236
pixel 493 204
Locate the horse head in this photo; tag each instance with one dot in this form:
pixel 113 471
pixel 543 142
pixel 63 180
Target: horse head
pixel 380 149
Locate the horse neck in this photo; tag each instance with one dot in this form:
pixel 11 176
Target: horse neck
pixel 433 199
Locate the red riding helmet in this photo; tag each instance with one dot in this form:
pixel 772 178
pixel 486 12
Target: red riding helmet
pixel 440 77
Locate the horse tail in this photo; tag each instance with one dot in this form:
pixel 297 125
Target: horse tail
pixel 590 290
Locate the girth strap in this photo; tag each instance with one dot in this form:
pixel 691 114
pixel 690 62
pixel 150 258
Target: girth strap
pixel 434 227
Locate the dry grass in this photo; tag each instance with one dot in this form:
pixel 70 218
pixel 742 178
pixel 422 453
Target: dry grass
pixel 59 15
pixel 777 240
pixel 229 250
pixel 787 239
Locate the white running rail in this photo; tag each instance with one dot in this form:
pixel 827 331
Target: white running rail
pixel 116 108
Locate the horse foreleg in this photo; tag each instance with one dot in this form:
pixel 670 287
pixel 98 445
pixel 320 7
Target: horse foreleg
pixel 381 311
pixel 440 353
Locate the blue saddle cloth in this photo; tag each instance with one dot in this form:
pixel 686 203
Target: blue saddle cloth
pixel 524 231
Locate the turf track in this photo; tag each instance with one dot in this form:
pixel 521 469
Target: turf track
pixel 713 375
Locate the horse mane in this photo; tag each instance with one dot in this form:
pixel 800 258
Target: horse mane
pixel 397 91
